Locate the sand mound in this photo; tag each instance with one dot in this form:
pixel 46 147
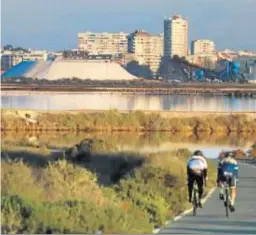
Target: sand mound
pixel 54 70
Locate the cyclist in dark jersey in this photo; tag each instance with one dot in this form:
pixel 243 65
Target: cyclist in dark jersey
pixel 228 166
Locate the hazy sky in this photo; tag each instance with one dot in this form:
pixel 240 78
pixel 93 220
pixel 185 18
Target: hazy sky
pixel 54 24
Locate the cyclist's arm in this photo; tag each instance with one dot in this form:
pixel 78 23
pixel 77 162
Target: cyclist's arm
pixel 205 165
pixel 219 172
pixel 188 171
pixel 188 167
pixel 205 173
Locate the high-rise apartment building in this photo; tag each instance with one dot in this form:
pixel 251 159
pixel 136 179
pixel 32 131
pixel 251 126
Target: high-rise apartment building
pixel 148 49
pixel 103 43
pixel 175 37
pixel 202 47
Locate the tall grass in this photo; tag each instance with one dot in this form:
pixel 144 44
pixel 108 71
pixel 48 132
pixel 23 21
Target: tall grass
pixel 134 121
pixel 66 198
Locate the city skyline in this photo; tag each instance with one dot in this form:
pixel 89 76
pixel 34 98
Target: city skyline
pixel 56 27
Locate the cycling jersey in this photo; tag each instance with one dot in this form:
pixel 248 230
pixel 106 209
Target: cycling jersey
pixel 197 164
pixel 228 165
pixel 228 171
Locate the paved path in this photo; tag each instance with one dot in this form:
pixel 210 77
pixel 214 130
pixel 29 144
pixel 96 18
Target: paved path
pixel 211 219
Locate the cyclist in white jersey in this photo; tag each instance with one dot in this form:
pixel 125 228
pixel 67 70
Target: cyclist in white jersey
pixel 197 171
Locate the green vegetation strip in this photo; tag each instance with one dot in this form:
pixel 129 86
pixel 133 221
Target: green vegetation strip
pixel 133 122
pixel 71 195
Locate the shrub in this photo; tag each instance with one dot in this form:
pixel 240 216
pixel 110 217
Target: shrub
pixel 64 181
pixel 16 215
pixel 65 198
pixel 156 187
pixel 19 179
pixel 70 217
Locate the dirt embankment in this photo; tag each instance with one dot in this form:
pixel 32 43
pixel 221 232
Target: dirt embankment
pixel 155 87
pixel 137 121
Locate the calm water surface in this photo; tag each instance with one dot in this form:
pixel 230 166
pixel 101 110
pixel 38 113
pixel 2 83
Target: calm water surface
pixel 105 101
pixel 210 145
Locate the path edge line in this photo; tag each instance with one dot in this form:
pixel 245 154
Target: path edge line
pixel 178 217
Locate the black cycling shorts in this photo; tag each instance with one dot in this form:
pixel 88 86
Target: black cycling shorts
pixel 231 180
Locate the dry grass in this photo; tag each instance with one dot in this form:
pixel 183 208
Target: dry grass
pixel 134 121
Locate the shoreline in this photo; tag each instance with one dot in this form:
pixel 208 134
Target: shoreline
pixel 236 90
pixel 163 113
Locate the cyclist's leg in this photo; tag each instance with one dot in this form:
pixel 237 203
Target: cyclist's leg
pixel 221 181
pixel 191 179
pixel 232 184
pixel 200 183
pixel 221 187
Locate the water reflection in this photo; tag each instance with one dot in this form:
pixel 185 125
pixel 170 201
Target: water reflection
pixel 105 101
pixel 211 145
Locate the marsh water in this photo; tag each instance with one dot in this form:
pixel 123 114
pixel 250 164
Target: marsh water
pixel 211 145
pixel 158 142
pixel 124 101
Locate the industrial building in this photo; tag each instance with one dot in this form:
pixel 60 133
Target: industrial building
pixel 251 75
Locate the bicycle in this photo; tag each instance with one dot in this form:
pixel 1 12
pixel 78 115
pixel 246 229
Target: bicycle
pixel 195 195
pixel 227 192
pixel 195 198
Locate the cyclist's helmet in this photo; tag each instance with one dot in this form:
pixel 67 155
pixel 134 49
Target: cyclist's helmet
pixel 229 154
pixel 198 153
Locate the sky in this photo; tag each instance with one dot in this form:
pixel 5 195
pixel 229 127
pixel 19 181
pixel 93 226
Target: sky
pixel 54 24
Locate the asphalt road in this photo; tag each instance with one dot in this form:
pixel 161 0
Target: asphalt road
pixel 212 220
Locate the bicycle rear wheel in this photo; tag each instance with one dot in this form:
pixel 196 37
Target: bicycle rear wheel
pixel 194 202
pixel 227 202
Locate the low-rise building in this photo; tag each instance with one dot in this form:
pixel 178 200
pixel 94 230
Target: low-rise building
pixel 103 43
pixel 246 53
pixel 251 73
pixel 10 58
pixel 6 61
pixel 35 55
pixel 203 60
pixel 246 62
pixel 199 47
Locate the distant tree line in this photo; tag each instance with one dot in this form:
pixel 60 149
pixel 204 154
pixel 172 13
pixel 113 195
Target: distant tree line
pixel 11 48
